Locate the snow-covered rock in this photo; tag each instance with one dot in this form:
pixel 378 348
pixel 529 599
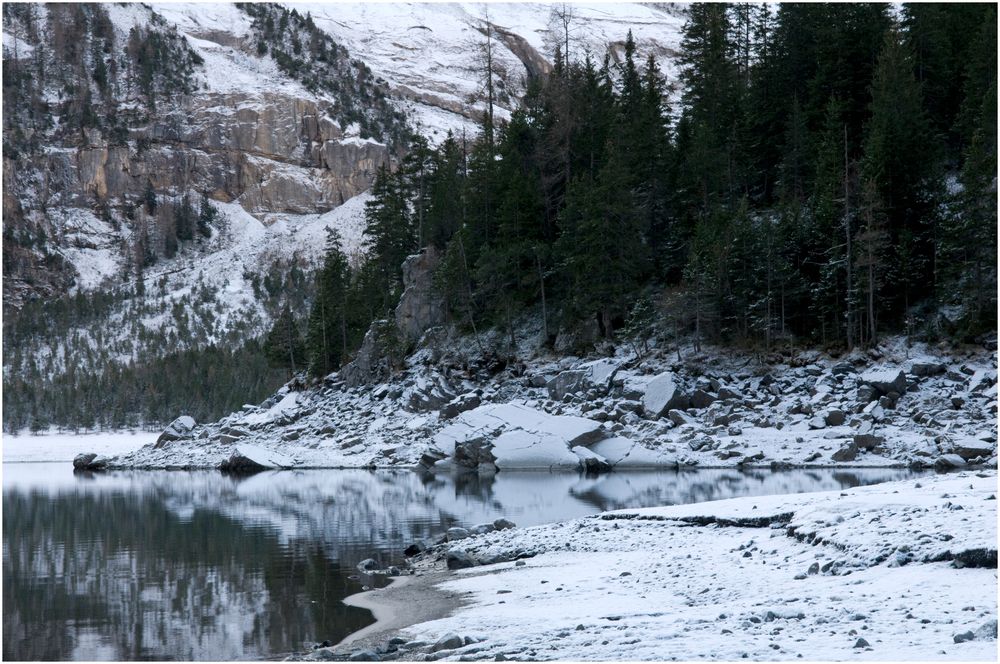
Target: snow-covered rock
pixel 176 430
pixel 250 458
pixel 885 380
pixel 518 437
pixel 662 393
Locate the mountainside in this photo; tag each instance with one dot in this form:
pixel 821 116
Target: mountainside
pixel 170 170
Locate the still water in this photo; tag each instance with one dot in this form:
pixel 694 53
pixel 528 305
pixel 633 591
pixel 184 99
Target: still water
pixel 196 565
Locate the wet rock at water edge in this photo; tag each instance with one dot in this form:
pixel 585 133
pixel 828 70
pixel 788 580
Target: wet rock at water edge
pixel 949 461
pixel 456 534
pixel 459 559
pixel 368 565
pixel 504 524
pixel 89 461
pixel 848 452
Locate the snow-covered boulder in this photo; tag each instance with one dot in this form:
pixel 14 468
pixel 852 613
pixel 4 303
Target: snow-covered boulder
pixel 90 461
pixel 885 380
pixel 663 393
pixel 516 437
pixel 252 458
pixel 625 453
pixel 176 430
pixel 567 382
pixel 591 461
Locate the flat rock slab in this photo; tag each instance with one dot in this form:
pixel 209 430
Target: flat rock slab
pixel 251 458
pixel 522 437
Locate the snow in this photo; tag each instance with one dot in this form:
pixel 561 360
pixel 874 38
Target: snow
pixel 60 446
pixel 530 438
pixel 264 457
pixel 641 584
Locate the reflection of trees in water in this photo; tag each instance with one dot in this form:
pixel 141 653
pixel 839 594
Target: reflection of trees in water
pixel 657 488
pixel 195 565
pixel 154 586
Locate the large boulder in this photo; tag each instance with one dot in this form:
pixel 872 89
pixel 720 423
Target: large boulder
pixel 567 382
pixel 89 461
pixel 885 381
pixel 516 437
pixel 252 459
pixel 662 394
pixel 926 368
pixel 177 430
pixel 848 452
pixel 970 448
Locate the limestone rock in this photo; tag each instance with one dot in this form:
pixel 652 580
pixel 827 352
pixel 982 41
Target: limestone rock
pixel 420 307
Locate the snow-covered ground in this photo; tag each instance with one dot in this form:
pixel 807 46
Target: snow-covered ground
pixel 885 572
pixel 732 410
pixel 57 446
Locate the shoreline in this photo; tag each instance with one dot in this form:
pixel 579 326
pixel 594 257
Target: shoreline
pixel 887 571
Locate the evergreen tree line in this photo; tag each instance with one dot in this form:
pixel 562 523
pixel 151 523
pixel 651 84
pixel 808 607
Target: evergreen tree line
pixel 829 176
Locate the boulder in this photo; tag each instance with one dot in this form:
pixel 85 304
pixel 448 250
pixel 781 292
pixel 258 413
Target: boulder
pixel 456 534
pixel 567 382
pixel 885 380
pixel 867 441
pixel 448 642
pixel 701 399
pixel 730 393
pixel 848 452
pixel 949 461
pixel 474 453
pixel 177 430
pixel 591 462
pixel 835 417
pixel 662 394
pixel 971 448
pixel 89 461
pixel 926 368
pixel 459 559
pixel 460 404
pixel 503 524
pixel 517 437
pixel 252 459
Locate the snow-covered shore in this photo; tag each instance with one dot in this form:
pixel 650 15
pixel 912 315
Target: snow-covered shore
pixel 63 446
pixel 897 571
pixel 893 406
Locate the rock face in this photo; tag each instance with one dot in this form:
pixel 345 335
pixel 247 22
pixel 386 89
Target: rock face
pixel 419 307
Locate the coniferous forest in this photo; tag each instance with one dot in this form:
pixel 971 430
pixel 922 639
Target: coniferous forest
pixel 816 175
pixel 828 177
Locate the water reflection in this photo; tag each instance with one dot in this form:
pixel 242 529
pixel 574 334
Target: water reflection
pixel 194 565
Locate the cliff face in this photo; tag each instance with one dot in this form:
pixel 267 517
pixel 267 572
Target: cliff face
pixel 170 171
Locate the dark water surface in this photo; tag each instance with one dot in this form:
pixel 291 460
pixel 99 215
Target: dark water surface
pixel 196 565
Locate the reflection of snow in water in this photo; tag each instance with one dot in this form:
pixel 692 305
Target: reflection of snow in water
pixel 200 564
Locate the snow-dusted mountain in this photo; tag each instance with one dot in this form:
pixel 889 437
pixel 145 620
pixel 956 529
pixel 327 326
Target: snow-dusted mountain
pixel 279 129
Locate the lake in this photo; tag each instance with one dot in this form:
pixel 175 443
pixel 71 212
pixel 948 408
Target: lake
pixel 152 565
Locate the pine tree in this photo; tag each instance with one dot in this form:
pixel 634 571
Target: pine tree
pixel 388 237
pixel 283 346
pixel 333 322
